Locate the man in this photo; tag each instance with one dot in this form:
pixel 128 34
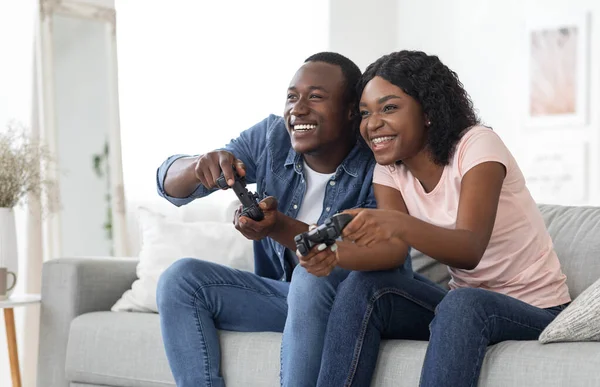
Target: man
pixel 308 165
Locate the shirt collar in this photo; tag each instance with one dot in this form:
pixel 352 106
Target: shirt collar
pixel 351 164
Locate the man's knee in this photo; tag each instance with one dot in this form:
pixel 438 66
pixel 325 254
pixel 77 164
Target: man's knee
pixel 177 279
pixel 308 290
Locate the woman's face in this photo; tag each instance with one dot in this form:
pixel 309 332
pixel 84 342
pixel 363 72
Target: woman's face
pixel 393 123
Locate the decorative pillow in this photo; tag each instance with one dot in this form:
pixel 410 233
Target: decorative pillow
pixel 165 240
pixel 580 321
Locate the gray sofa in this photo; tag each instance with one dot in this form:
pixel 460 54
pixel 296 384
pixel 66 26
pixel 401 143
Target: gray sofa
pixel 83 344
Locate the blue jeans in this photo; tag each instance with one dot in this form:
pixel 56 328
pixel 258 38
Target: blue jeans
pixel 459 325
pixel 309 303
pixel 196 298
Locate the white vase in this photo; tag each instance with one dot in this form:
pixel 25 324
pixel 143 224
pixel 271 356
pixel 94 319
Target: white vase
pixel 8 242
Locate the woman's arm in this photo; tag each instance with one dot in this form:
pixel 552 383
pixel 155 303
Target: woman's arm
pixel 380 256
pixel 461 247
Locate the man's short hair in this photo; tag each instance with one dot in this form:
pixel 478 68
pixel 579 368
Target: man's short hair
pixel 350 71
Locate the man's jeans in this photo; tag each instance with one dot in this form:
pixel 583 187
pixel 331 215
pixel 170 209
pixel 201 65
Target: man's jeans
pixel 196 298
pixel 459 325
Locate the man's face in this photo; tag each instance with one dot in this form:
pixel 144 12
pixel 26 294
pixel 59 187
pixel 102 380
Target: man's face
pixel 316 114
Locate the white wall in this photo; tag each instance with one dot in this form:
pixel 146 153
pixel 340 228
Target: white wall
pixel 363 32
pixel 193 75
pixel 484 42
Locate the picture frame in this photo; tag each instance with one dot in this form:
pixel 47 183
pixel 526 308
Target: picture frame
pixel 557 65
pixel 557 172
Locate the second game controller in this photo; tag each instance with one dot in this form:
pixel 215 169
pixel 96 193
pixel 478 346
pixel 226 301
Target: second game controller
pixel 326 233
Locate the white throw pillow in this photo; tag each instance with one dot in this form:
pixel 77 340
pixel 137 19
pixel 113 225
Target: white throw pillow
pixel 165 240
pixel 580 321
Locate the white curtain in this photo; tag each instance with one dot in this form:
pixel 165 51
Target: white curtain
pixel 17 29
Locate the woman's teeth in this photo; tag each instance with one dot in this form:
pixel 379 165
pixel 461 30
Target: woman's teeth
pixel 304 128
pixel 380 140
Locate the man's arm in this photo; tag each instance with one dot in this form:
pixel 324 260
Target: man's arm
pixel 183 178
pixel 180 180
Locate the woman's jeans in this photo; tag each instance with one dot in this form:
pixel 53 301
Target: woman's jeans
pixel 459 325
pixel 196 298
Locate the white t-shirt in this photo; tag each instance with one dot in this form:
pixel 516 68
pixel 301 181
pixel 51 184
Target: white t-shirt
pixel 312 204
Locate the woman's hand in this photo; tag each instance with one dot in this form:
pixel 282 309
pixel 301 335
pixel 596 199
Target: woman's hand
pixel 321 259
pixel 370 226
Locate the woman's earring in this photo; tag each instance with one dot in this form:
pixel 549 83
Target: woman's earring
pixel 428 123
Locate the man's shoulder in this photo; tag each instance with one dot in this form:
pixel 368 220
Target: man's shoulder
pixel 362 156
pixel 275 125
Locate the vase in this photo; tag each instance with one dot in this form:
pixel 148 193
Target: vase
pixel 8 242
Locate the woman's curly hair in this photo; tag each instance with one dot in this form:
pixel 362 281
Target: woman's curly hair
pixel 436 88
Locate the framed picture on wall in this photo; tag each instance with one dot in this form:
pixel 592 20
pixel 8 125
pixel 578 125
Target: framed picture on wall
pixel 556 172
pixel 557 70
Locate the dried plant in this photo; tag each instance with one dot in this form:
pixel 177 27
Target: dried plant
pixel 22 160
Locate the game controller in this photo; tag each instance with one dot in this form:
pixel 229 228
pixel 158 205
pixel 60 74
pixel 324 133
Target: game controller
pixel 326 233
pixel 248 199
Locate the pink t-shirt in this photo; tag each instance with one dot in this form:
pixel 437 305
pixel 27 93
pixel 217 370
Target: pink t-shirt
pixel 520 260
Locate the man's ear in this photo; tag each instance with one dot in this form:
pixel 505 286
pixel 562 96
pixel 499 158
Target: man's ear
pixel 352 113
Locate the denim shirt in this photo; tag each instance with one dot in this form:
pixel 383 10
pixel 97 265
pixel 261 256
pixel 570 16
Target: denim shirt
pixel 271 163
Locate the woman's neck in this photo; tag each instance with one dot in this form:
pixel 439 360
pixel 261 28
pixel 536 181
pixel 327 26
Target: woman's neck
pixel 425 170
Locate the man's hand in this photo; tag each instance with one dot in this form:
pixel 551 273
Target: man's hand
pixel 321 259
pixel 254 230
pixel 370 226
pixel 209 166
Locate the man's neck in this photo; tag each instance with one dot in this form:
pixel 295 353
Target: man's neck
pixel 327 160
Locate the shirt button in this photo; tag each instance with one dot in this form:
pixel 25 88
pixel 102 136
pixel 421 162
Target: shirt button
pixel 295 206
pixel 328 209
pixel 332 183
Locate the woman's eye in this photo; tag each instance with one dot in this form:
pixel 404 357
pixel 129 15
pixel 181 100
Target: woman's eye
pixel 389 108
pixel 364 113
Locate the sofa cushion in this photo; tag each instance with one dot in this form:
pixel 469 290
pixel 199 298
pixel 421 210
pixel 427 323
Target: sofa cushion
pixel 166 240
pixel 126 349
pixel 575 232
pixel 579 322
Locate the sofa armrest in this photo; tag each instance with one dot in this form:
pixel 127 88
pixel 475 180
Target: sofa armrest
pixel 71 287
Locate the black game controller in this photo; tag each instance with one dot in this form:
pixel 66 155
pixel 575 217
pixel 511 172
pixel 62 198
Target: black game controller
pixel 249 200
pixel 326 233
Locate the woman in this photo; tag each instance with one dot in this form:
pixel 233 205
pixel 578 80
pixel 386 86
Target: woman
pixel 450 188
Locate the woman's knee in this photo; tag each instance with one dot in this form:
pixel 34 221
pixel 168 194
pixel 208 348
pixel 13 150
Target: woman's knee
pixel 463 305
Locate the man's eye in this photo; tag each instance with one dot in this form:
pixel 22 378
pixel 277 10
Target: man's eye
pixel 388 108
pixel 291 96
pixel 315 96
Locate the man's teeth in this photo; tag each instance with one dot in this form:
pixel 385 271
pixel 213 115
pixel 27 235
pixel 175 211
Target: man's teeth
pixel 379 140
pixel 301 128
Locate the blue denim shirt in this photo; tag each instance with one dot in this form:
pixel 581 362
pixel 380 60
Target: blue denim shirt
pixel 271 163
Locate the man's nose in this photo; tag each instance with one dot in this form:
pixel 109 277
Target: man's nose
pixel 299 108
